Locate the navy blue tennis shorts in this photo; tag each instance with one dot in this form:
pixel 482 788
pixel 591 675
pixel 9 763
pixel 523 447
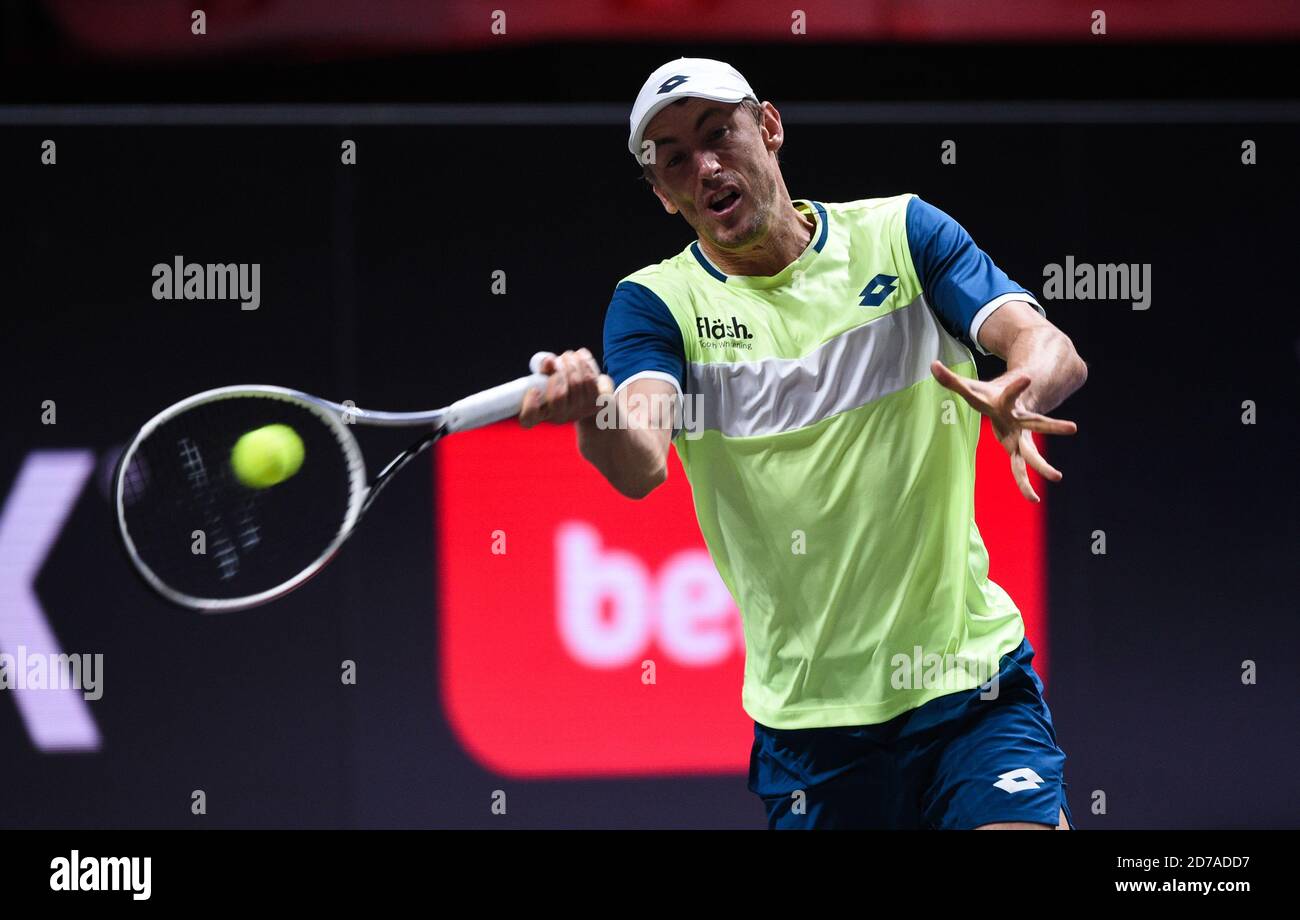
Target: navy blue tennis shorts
pixel 955 762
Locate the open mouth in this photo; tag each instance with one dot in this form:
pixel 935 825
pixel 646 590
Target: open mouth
pixel 725 203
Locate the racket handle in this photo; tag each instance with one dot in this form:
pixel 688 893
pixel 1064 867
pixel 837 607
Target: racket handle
pixel 492 405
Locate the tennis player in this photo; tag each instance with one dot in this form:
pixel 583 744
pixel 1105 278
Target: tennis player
pixel 832 461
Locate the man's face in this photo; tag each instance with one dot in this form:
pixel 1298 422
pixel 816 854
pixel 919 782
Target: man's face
pixel 718 167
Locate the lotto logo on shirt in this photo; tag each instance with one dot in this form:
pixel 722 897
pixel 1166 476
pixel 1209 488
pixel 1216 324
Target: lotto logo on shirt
pixel 586 634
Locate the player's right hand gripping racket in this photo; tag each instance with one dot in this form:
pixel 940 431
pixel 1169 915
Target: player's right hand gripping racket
pixel 203 539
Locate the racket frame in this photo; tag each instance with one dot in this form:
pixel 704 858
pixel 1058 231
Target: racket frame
pixel 358 490
pixel 483 408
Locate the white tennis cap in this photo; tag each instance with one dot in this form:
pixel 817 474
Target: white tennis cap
pixel 702 77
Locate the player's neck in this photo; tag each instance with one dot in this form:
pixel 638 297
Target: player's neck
pixel 788 238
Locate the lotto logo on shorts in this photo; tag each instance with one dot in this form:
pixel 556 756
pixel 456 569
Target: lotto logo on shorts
pixel 1018 780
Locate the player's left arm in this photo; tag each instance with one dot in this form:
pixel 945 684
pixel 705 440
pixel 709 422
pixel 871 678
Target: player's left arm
pixel 976 301
pixel 1042 370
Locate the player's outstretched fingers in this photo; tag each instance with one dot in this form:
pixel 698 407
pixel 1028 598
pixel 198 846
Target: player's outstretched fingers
pixel 1022 477
pixel 961 386
pixel 1043 424
pixel 946 377
pixel 1029 450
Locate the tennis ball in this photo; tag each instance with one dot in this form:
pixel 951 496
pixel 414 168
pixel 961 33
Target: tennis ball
pixel 266 456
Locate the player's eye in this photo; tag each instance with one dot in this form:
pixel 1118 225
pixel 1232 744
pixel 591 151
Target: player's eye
pixel 674 159
pixel 718 134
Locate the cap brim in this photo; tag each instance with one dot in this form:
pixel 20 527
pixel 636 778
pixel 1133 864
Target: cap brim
pixel 634 143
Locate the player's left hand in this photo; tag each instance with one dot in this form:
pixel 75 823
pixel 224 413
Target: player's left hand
pixel 1013 422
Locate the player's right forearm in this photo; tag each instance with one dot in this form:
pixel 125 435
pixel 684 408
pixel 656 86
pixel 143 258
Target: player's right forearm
pixel 634 460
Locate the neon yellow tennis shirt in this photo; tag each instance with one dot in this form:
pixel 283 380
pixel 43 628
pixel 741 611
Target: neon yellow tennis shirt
pixel 833 477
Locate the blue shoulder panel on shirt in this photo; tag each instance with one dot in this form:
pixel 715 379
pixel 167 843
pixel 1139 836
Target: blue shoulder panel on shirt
pixel 641 335
pixel 957 276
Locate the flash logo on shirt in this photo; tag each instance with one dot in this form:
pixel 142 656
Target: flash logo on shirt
pixel 718 329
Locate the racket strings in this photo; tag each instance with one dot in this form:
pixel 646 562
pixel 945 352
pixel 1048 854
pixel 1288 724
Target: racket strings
pixel 206 535
pixel 205 497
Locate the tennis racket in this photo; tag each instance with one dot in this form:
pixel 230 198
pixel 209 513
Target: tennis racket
pixel 203 539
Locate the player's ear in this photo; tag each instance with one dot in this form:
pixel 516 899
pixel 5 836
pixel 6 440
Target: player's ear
pixel 771 128
pixel 664 200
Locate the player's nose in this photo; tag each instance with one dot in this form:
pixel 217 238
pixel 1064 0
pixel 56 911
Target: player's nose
pixel 708 167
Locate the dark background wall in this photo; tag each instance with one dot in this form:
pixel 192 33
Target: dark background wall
pixel 376 286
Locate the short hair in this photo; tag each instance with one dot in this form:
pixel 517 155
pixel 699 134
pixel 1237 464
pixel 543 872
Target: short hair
pixel 753 107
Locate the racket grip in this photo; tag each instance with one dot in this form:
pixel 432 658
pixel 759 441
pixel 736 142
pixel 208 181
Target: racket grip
pixel 492 405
